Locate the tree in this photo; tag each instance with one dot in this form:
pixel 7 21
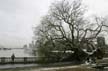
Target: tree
pixel 65 24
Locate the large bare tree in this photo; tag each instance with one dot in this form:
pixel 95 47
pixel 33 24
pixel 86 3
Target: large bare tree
pixel 65 24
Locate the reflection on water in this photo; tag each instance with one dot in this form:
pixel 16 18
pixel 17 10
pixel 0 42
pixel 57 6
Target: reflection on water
pixel 17 52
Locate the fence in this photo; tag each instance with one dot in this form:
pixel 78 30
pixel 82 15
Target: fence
pixel 106 54
pixel 18 60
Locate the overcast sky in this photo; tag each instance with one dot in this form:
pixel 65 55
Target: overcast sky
pixel 17 17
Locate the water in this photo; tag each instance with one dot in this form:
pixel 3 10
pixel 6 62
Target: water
pixel 17 52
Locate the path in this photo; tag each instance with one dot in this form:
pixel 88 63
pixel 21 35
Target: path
pixel 57 68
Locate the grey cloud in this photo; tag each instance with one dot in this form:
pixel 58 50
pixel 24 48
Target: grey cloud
pixel 8 6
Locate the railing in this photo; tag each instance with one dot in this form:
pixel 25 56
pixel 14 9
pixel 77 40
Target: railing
pixel 106 54
pixel 18 60
pixel 101 66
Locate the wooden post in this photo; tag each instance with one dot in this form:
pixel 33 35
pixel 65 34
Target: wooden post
pixel 3 60
pixel 25 59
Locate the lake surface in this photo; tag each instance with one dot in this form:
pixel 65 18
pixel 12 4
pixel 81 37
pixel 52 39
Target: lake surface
pixel 17 52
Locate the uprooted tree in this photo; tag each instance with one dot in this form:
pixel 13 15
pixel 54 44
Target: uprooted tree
pixel 65 28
